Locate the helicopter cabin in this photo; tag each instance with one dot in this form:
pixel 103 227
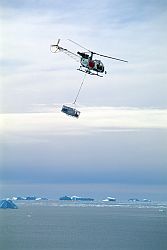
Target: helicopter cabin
pixel 99 66
pixel 70 111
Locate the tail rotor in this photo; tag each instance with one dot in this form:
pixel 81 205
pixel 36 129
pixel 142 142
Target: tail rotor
pixel 55 47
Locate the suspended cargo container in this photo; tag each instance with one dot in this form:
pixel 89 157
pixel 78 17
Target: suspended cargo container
pixel 70 111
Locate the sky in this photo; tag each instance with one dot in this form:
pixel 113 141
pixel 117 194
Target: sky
pixel 118 145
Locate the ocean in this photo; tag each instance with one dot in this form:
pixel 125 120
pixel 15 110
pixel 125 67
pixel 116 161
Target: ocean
pixel 48 225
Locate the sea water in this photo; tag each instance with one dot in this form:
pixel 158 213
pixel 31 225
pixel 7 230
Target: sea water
pixel 48 225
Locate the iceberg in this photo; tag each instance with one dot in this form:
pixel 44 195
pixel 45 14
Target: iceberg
pixel 41 199
pixel 133 199
pixel 30 198
pixel 146 200
pixel 110 199
pixel 18 198
pixel 7 204
pixel 76 198
pixel 65 198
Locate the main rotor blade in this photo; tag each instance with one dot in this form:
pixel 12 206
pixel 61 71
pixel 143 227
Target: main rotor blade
pixel 58 41
pixel 114 58
pixel 78 45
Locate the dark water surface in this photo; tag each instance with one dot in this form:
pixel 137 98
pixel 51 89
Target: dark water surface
pixel 75 226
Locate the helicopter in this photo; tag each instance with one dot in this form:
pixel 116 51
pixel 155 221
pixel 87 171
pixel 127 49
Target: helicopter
pixel 87 63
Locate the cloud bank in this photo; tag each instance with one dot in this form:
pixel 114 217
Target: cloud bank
pixel 92 120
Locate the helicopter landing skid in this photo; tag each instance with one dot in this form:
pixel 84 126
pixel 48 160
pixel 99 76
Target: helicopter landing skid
pixel 90 73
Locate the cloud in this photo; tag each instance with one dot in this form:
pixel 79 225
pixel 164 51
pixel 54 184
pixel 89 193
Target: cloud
pixel 105 145
pixel 92 120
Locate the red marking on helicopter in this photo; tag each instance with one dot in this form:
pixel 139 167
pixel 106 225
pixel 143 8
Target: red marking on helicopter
pixel 91 64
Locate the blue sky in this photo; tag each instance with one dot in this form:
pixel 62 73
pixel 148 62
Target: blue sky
pixel 120 139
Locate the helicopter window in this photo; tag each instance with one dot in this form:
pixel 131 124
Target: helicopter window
pixel 99 66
